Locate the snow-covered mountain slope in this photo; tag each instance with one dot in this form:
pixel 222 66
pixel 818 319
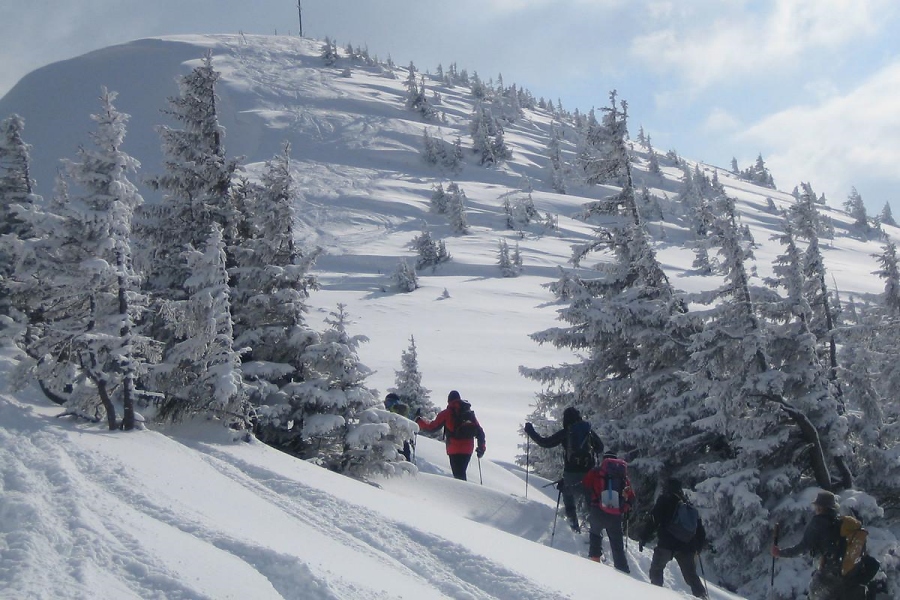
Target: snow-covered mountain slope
pixel 191 514
pixel 186 514
pixel 365 195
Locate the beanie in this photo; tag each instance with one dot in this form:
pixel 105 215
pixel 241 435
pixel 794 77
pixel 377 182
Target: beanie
pixel 454 395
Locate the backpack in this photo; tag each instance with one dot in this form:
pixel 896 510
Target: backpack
pixel 608 483
pixel 683 524
pixel 465 425
pixel 579 451
pixel 851 548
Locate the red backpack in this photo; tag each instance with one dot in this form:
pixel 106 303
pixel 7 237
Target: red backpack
pixel 609 486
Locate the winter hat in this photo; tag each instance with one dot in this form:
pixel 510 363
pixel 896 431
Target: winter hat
pixel 453 395
pixel 571 415
pixel 391 399
pixel 826 500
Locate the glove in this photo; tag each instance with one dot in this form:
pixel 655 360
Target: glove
pixel 776 551
pixel 641 546
pixel 529 428
pixel 480 451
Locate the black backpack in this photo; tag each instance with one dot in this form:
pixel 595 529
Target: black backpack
pixel 579 450
pixel 683 524
pixel 465 425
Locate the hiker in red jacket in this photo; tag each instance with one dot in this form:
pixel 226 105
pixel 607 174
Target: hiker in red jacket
pixel 461 429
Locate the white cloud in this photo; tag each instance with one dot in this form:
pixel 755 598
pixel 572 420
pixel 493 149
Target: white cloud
pixel 708 42
pixel 839 141
pixel 720 120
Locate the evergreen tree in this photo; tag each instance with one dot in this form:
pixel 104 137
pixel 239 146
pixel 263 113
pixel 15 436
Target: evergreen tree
pixel 557 166
pixel 431 253
pixel 456 209
pixel 339 424
pixel 202 373
pixel 408 383
pixel 857 209
pixel 405 278
pixel 487 136
pixel 886 216
pixel 197 182
pixel 82 333
pixel 16 198
pixel 271 283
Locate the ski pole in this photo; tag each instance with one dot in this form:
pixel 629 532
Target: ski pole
pixel 774 543
pixel 555 514
pixel 703 572
pixel 527 447
pixel 480 480
pixel 415 439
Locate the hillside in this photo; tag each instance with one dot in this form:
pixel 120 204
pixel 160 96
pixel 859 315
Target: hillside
pixel 364 194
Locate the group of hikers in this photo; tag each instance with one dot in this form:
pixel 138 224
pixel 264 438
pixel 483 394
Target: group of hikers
pixel 604 488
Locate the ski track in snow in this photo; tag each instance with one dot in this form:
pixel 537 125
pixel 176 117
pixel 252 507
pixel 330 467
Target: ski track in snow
pixel 428 556
pixel 95 546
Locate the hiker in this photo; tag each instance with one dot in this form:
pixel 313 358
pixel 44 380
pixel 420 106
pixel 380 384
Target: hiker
pixel 580 444
pixel 672 543
pixel 611 498
pixel 820 539
pixel 461 429
pixel 393 404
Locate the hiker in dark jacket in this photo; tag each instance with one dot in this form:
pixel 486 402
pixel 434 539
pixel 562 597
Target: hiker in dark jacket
pixel 574 469
pixel 393 403
pixel 819 540
pixel 667 545
pixel 459 445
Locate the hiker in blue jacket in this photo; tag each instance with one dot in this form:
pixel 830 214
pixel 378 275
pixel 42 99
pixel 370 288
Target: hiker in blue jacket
pixel 667 545
pixel 580 444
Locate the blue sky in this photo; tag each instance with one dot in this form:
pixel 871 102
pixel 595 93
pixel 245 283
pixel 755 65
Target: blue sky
pixel 810 84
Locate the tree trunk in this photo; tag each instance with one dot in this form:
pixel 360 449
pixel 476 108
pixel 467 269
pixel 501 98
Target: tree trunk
pixel 108 405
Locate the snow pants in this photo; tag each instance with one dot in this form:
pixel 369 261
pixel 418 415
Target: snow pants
pixel 459 463
pixel 573 495
pixel 685 560
pixel 826 585
pixel 601 520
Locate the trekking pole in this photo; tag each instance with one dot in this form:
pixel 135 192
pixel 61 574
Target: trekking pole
pixel 527 447
pixel 703 573
pixel 774 543
pixel 555 514
pixel 415 439
pixel 480 480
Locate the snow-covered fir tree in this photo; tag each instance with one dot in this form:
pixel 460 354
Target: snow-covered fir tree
pixel 510 265
pixel 340 426
pixel 16 197
pixel 856 208
pixel 202 373
pixel 487 136
pixel 603 154
pixel 408 383
pixel 329 53
pixel 416 99
pixel 82 331
pixel 430 252
pixel 271 282
pixel 405 278
pixel 887 216
pixel 557 165
pixel 196 183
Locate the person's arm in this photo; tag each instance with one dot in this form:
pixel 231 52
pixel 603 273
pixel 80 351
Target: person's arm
pixel 480 448
pixel 804 545
pixel 438 422
pixel 596 442
pixel 545 442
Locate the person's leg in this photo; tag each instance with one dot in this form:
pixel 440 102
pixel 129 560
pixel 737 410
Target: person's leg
pixel 661 558
pixel 459 463
pixel 595 548
pixel 617 542
pixel 572 488
pixel 688 568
